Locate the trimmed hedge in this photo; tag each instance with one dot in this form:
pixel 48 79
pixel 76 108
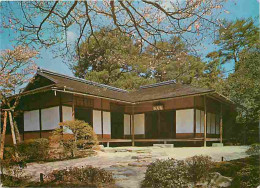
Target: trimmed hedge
pixel 87 176
pixel 177 173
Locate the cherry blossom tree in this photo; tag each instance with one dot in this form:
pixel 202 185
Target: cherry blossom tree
pixel 16 66
pixel 49 23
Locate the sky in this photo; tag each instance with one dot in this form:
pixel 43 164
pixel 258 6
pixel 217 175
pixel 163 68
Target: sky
pixel 237 9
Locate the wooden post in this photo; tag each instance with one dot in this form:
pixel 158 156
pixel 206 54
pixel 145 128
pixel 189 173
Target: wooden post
pixel 133 127
pixel 159 123
pixel 205 121
pixel 12 128
pixel 40 121
pixel 60 109
pixel 16 130
pixel 73 108
pixel 194 117
pixel 221 125
pixel 3 137
pixel 102 120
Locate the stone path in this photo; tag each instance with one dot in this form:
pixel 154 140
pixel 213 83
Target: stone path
pixel 128 164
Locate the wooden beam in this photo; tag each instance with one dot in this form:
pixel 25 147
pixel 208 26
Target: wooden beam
pixel 159 123
pixel 194 117
pixel 3 137
pixel 73 107
pixel 205 121
pixel 60 108
pixel 102 120
pixel 12 128
pixel 221 124
pixel 40 121
pixel 16 130
pixel 133 127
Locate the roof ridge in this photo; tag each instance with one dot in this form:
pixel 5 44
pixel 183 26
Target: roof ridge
pixel 81 80
pixel 158 84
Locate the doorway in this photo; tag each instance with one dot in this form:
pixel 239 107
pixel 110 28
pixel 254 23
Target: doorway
pixel 117 125
pixel 84 114
pixel 160 124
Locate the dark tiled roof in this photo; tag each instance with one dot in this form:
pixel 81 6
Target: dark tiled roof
pixel 169 90
pixel 85 86
pixel 163 90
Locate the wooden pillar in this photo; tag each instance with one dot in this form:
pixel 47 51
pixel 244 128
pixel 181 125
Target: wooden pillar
pixel 133 127
pixel 60 109
pixel 205 121
pixel 40 121
pixel 159 123
pixel 102 120
pixel 16 130
pixel 3 137
pixel 73 107
pixel 221 125
pixel 12 127
pixel 194 117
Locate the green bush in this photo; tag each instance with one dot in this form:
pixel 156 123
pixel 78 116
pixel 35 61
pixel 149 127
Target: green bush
pixel 247 177
pixel 165 173
pixel 177 173
pixel 81 137
pixel 198 168
pixel 254 149
pixel 245 171
pixel 85 176
pixel 34 149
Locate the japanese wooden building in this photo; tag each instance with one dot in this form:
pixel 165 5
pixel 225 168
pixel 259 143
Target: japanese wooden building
pixel 162 112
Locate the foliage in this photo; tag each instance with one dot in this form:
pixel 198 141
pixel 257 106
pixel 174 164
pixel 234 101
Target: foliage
pixel 112 58
pixel 74 135
pixel 238 43
pixel 247 177
pixel 10 181
pixel 15 66
pixel 84 176
pixel 254 149
pixel 34 149
pixel 12 167
pixel 243 87
pixel 115 59
pixel 198 168
pixel 29 150
pixel 236 36
pixel 177 173
pixel 245 171
pixel 165 173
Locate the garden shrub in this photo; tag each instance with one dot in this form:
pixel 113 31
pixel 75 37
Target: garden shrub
pixel 34 149
pixel 87 176
pixel 245 171
pixel 165 173
pixel 12 167
pixel 227 168
pixel 177 173
pixel 81 137
pixel 254 149
pixel 198 168
pixel 247 177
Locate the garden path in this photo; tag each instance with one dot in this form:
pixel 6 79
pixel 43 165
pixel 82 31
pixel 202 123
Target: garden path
pixel 128 164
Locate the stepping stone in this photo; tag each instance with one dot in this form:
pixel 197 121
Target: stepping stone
pixel 163 145
pixel 141 157
pixel 139 164
pixel 217 145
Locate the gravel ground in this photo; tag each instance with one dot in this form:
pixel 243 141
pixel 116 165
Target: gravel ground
pixel 128 164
